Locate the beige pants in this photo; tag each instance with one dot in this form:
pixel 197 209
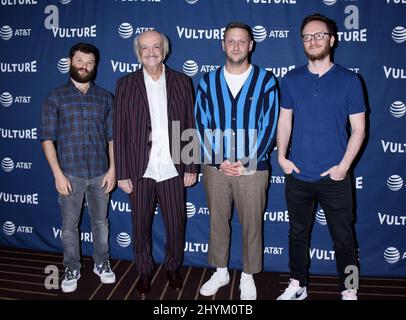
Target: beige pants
pixel 248 193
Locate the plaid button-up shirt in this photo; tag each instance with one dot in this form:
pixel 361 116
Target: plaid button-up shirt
pixel 81 126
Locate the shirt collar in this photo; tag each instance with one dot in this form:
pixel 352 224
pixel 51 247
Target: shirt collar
pixel 149 79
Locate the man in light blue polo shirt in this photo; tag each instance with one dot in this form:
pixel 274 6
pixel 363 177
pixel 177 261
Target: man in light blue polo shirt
pixel 321 98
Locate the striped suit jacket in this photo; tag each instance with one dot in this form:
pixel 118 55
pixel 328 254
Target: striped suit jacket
pixel 132 122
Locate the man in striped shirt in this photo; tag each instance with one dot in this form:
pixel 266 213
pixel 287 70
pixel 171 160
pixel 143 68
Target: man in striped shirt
pixel 236 113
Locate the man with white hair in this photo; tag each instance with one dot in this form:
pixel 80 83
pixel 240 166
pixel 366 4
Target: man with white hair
pixel 149 103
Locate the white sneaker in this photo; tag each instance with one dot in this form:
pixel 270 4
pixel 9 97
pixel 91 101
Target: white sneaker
pixel 293 291
pixel 216 281
pixel 350 294
pixel 70 280
pixel 103 270
pixel 248 289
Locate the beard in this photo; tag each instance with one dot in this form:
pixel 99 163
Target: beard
pixel 236 61
pixel 318 56
pixel 75 75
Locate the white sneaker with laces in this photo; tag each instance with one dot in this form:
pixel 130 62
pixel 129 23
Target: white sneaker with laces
pixel 350 294
pixel 216 281
pixel 293 291
pixel 70 280
pixel 248 289
pixel 103 270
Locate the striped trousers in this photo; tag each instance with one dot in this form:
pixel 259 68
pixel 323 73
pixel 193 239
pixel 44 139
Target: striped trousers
pixel 170 196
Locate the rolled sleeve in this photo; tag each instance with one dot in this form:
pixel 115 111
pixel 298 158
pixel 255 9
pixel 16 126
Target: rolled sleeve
pixel 49 119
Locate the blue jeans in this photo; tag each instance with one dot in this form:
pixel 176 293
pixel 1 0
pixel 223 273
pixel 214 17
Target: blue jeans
pixel 71 209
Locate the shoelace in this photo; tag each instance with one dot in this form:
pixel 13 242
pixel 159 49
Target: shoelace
pixel 105 267
pixel 69 275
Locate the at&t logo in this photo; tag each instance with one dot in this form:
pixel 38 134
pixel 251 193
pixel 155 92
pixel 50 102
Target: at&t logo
pixel 6 32
pixel 63 65
pixel 126 30
pixel 393 255
pixel 397 109
pixel 8 165
pixel 190 68
pixel 273 250
pixel 321 217
pixel 399 34
pixel 6 99
pixel 123 239
pixel 9 228
pixel 260 34
pixel 190 209
pixel 394 182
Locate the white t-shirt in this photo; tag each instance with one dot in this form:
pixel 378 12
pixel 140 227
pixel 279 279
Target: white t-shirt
pixel 236 81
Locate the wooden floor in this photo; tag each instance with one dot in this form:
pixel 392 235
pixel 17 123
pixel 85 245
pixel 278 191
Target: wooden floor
pixel 23 277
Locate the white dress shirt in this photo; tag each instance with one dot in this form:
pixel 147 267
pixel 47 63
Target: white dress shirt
pixel 160 166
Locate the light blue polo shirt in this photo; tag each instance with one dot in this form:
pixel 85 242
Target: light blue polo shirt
pixel 321 106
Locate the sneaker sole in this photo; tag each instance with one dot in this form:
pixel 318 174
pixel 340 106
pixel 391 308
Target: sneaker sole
pixel 104 280
pixel 302 297
pixel 70 289
pixel 210 293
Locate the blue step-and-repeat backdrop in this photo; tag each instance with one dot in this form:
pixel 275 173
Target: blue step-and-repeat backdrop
pixel 35 38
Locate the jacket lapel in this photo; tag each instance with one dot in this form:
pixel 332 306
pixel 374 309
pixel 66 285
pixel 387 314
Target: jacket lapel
pixel 169 89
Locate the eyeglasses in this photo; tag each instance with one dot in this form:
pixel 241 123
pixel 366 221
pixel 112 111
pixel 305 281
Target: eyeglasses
pixel 316 36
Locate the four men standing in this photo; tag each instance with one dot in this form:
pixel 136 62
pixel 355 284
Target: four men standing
pixel 236 116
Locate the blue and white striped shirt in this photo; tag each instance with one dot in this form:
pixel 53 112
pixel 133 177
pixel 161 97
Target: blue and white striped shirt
pixel 241 128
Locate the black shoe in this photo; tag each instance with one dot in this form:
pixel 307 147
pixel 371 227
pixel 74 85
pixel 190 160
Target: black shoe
pixel 175 279
pixel 143 285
